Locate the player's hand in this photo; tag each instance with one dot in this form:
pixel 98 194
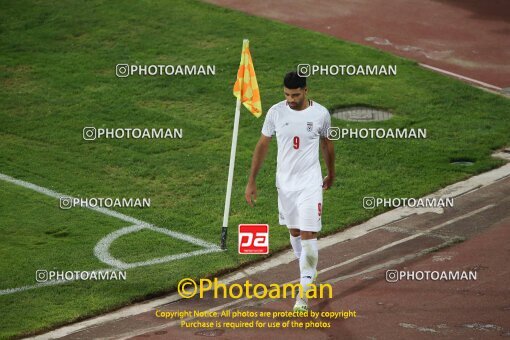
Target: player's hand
pixel 251 190
pixel 327 182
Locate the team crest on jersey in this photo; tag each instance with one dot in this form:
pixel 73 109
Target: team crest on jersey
pixel 309 126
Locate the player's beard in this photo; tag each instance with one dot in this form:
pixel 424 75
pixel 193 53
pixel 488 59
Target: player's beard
pixel 297 105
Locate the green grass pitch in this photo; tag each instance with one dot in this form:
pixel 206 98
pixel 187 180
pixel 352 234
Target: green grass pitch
pixel 57 74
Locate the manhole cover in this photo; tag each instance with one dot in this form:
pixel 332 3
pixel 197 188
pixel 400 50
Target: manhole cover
pixel 361 114
pixel 465 163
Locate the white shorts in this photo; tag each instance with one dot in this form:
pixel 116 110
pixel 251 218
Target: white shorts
pixel 301 209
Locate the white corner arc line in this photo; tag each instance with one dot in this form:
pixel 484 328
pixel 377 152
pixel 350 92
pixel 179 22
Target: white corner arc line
pixel 116 264
pixel 174 297
pixel 456 189
pixel 105 211
pixel 101 250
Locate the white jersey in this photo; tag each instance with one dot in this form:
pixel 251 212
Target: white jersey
pixel 298 136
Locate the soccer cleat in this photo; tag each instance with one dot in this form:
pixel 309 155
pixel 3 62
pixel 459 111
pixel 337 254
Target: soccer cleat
pixel 301 306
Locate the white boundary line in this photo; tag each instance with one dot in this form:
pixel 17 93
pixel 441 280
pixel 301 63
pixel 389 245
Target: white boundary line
pixel 132 220
pixel 454 190
pixel 386 264
pixel 101 248
pixel 481 83
pixel 405 239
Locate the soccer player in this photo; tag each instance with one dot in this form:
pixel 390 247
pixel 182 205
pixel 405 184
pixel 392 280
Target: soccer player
pixel 300 125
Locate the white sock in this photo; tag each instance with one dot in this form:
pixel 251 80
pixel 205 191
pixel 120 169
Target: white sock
pixel 296 245
pixel 308 263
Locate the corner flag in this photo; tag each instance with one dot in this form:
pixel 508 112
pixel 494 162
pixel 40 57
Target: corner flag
pixel 246 90
pixel 246 87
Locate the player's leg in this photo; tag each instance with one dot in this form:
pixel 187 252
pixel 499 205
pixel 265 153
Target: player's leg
pixel 307 267
pixel 310 211
pixel 295 241
pixel 287 214
pixel 309 258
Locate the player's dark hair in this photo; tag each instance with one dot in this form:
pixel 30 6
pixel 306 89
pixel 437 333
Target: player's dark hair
pixel 293 81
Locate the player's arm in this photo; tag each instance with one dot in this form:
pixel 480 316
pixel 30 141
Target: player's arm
pixel 258 158
pixel 328 152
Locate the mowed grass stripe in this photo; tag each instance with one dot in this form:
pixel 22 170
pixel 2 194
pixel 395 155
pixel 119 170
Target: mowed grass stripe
pixel 58 76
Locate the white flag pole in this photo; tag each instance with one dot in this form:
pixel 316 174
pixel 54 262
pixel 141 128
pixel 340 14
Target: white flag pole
pixel 230 176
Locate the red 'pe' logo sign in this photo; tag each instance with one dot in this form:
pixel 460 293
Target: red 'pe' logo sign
pixel 253 239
